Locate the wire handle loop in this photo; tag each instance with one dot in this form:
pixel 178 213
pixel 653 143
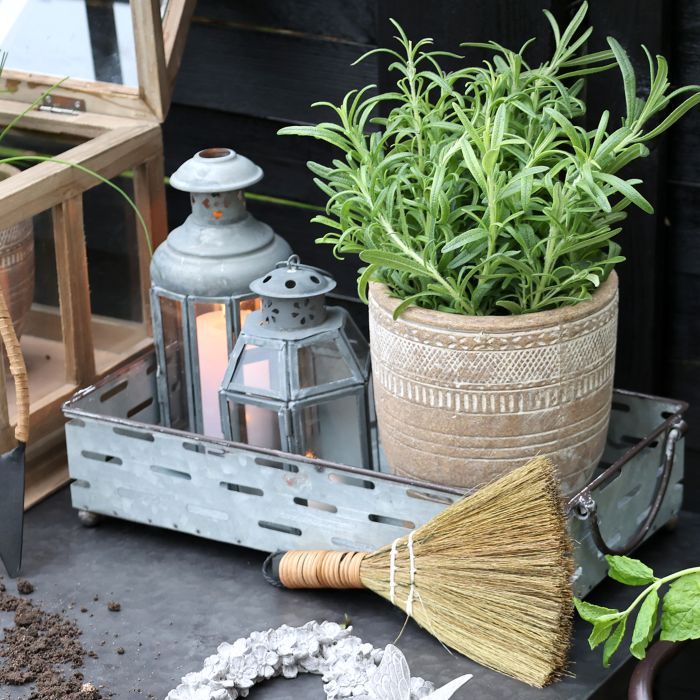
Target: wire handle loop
pixel 585 507
pixel 294 262
pixel 18 369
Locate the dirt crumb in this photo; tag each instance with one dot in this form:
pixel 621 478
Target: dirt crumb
pixel 113 606
pixel 89 692
pixel 24 587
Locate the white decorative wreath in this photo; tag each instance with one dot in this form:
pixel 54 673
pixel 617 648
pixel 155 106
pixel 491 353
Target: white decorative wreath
pixel 349 667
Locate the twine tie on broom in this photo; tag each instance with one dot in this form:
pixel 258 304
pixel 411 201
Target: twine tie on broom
pixel 412 574
pixel 392 573
pixel 413 591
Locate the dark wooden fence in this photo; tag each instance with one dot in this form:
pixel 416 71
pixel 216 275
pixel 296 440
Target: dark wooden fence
pixel 252 66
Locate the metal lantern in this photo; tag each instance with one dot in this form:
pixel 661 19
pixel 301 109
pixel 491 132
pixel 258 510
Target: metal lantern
pixel 200 279
pixel 298 376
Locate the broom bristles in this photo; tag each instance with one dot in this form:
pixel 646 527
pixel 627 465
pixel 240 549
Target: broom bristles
pixel 492 575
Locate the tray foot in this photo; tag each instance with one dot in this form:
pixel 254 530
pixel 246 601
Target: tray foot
pixel 88 518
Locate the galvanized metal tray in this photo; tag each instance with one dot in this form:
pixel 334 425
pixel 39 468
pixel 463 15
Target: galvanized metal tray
pixel 124 464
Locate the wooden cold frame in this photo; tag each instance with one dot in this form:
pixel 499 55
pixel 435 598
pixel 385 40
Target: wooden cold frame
pixel 158 55
pixel 121 131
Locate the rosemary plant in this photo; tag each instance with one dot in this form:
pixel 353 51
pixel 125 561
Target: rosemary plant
pixel 480 193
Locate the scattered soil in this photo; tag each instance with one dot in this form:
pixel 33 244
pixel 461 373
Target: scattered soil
pixel 39 648
pixel 24 587
pixel 89 692
pixel 113 606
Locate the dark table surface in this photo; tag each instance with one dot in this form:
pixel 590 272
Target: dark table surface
pixel 182 596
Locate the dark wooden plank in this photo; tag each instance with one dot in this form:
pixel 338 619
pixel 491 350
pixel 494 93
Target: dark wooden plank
pixel 510 22
pixel 641 276
pixel 272 75
pixel 683 382
pixel 351 21
pixel 684 138
pixel 283 158
pixel 691 496
pixel 683 224
pixel 681 358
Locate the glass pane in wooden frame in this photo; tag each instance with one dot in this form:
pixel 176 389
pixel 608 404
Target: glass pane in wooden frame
pixel 158 45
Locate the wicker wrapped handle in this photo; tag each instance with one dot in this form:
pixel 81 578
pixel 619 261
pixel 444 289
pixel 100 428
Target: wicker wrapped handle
pixel 18 370
pixel 314 569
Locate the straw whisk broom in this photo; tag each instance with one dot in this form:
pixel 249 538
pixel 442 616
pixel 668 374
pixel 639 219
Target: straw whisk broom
pixel 490 576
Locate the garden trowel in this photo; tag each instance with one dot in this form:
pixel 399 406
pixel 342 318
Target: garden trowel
pixel 12 462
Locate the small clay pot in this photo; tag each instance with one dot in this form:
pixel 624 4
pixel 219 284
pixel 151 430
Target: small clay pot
pixel 462 400
pixel 17 263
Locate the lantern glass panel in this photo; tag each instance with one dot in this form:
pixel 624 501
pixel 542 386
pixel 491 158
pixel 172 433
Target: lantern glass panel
pixel 255 425
pixel 261 368
pixel 330 430
pixel 360 347
pixel 321 363
pixel 212 354
pixel 174 348
pixel 245 308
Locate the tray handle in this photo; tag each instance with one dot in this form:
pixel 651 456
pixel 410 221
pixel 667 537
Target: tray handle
pixel 18 370
pixel 585 507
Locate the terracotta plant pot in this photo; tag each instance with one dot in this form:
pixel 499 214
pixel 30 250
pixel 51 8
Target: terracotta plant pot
pixel 462 400
pixel 17 263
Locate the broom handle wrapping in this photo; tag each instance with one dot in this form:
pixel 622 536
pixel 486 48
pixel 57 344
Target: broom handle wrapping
pixel 320 569
pixel 18 370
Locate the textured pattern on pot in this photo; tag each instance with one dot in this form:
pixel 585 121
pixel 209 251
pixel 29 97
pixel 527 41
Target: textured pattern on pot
pixel 462 400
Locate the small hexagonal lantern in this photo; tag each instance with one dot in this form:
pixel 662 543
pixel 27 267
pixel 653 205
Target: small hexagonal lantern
pixel 298 376
pixel 200 285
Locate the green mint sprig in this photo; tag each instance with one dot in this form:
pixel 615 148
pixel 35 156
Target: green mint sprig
pixel 680 610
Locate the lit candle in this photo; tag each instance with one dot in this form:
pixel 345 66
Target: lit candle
pixel 212 348
pixel 262 424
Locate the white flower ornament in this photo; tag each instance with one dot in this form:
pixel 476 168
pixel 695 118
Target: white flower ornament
pixel 349 667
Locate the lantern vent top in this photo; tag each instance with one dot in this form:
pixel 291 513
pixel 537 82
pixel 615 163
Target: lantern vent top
pixel 293 300
pixel 292 280
pixel 216 170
